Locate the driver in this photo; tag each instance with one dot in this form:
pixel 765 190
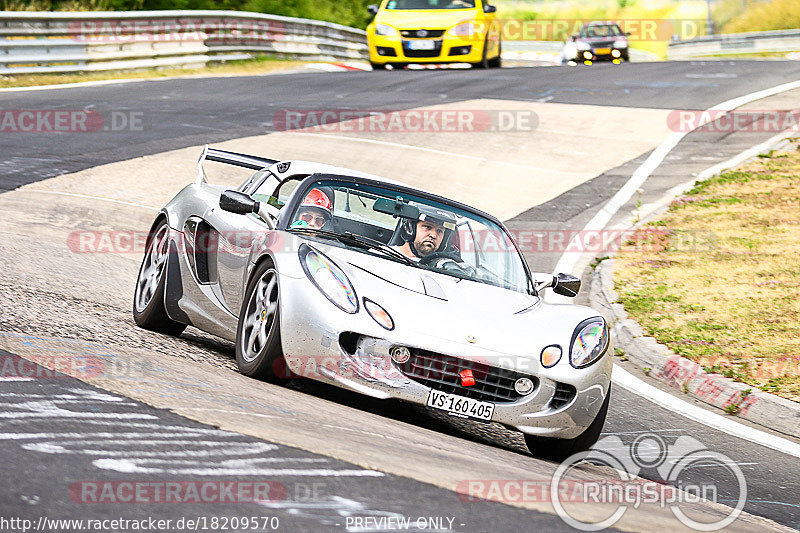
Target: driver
pixel 426 235
pixel 314 211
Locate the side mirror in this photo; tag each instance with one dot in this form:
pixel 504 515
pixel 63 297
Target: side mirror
pixel 627 34
pixel 489 9
pixel 574 37
pixel 372 9
pixel 238 202
pixel 567 285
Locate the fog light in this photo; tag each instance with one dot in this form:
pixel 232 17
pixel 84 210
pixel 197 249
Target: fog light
pixel 615 53
pixel 523 386
pixel 587 55
pixel 400 354
pixel 551 355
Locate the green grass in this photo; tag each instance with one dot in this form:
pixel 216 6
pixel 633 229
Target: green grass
pixel 730 305
pixel 764 16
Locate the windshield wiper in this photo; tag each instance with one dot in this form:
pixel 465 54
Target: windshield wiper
pixel 358 240
pixel 378 245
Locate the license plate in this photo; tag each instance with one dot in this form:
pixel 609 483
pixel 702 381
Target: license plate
pixel 422 45
pixel 602 51
pixel 460 406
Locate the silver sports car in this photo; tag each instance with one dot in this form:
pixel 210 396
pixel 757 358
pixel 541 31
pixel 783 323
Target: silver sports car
pixel 381 288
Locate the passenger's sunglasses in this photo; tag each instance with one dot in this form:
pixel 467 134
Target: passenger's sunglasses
pixel 309 217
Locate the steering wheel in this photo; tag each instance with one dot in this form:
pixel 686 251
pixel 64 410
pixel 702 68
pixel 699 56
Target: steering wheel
pixel 429 259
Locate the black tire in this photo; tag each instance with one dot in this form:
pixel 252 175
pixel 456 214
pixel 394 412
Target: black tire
pixel 497 62
pixel 148 298
pixel 378 66
pixel 263 359
pixel 484 62
pixel 559 449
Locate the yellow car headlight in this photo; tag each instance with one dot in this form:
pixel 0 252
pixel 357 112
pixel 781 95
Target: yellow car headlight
pixel 385 30
pixel 466 29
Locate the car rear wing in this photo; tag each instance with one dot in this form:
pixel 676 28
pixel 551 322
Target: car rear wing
pixel 231 158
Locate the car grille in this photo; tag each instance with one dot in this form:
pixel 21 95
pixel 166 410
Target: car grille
pixel 604 44
pixel 427 34
pixel 441 372
pixel 562 396
pixel 437 49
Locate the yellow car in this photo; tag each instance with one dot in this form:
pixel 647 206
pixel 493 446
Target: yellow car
pixel 433 31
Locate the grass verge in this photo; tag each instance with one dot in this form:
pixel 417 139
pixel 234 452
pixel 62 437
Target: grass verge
pixel 717 278
pixel 260 65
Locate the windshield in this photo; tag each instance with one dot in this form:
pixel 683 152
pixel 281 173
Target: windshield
pixel 605 30
pixel 413 229
pixel 430 4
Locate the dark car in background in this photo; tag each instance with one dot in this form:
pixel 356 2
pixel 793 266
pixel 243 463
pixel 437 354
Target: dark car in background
pixel 597 41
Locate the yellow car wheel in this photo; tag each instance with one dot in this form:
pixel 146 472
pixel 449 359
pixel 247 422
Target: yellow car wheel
pixel 483 63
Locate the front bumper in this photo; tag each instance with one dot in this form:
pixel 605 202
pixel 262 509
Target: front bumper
pixel 314 347
pixel 447 49
pixel 606 54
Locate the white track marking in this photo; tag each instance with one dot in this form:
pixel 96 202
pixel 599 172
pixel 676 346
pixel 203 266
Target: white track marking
pixel 14 378
pixel 418 148
pixel 569 261
pixel 727 425
pixel 105 435
pixel 100 198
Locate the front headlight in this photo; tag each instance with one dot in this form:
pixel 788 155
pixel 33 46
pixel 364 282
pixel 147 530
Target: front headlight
pixel 589 342
pixel 465 29
pixel 329 279
pixel 385 30
pixel 620 44
pixel 583 46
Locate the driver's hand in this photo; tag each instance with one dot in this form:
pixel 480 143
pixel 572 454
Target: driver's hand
pixel 450 265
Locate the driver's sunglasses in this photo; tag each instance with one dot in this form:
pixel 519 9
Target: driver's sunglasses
pixel 317 219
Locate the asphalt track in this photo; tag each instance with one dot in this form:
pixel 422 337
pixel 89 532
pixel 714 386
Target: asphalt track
pixel 179 113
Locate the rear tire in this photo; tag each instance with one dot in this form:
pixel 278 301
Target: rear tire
pixel 148 299
pixel 258 336
pixel 559 449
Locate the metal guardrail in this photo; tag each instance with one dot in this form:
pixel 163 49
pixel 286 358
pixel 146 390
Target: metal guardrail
pixel 51 42
pixel 735 44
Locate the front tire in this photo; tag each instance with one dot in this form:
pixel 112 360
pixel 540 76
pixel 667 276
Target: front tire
pixel 484 62
pixel 378 66
pixel 559 449
pixel 148 300
pixel 497 62
pixel 258 336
